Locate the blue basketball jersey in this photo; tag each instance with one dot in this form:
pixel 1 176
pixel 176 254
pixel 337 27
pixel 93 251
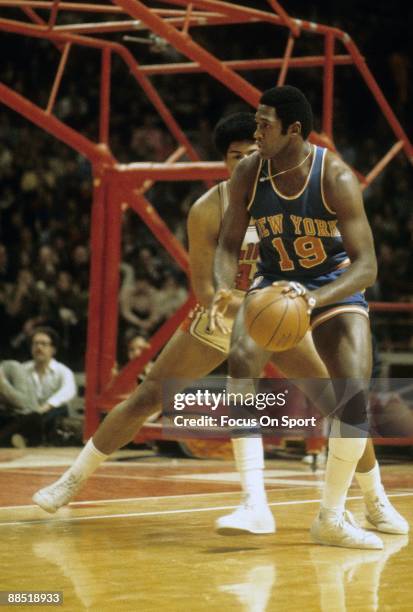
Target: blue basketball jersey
pixel 299 238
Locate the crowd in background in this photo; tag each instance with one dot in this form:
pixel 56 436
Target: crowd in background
pixel 46 189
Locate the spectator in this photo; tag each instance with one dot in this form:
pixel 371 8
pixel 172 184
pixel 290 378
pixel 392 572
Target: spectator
pixel 136 345
pixel 27 306
pixel 36 392
pixel 46 267
pixel 140 305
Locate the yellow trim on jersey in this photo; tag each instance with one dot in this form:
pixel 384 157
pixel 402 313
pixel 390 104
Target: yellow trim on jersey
pixel 323 198
pixel 297 195
pixel 255 185
pixel 336 310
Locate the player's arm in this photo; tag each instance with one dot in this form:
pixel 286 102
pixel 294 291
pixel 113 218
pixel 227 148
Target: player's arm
pixel 234 226
pixel 343 196
pixel 203 227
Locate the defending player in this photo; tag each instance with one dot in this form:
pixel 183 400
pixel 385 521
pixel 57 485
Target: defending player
pixel 313 229
pixel 199 351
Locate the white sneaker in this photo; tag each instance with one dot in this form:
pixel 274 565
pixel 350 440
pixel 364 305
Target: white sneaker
pixel 58 494
pixel 381 515
pixel 334 529
pixel 247 518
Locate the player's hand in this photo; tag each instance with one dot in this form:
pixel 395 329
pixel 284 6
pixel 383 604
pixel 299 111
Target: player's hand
pixel 294 289
pixel 43 408
pixel 217 309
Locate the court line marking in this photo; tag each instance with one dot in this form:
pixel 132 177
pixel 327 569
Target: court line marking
pixel 212 478
pixel 74 519
pixel 38 462
pixel 98 502
pixel 121 477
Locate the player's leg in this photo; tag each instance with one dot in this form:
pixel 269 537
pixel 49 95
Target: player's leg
pixel 182 358
pixel 304 363
pixel 348 359
pixel 245 362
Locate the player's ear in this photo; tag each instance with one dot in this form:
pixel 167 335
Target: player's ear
pixel 295 128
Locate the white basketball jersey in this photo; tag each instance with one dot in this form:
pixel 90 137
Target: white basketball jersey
pixel 248 256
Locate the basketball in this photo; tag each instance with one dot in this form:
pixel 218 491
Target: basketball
pixel 276 321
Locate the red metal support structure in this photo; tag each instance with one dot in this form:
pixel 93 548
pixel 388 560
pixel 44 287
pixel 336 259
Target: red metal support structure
pixel 117 186
pixel 105 97
pixel 328 85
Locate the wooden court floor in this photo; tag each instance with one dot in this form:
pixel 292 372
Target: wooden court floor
pixel 140 538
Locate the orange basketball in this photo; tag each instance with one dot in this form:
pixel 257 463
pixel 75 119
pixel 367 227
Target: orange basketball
pixel 274 320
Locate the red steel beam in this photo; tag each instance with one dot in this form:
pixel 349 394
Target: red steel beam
pixel 188 47
pixel 286 62
pixel 53 14
pixel 33 15
pixel 58 78
pixel 53 126
pixel 313 61
pixel 232 10
pixel 95 318
pixel 177 154
pixel 158 227
pixel 110 282
pixel 379 167
pixel 103 27
pixel 96 8
pixel 64 6
pixel 126 379
pixel 236 11
pixel 105 96
pixel 126 26
pixel 328 85
pixel 187 21
pixel 39 21
pixel 290 23
pixel 149 89
pixel 133 174
pixel 378 95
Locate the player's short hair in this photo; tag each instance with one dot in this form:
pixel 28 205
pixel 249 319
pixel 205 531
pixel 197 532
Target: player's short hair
pixel 47 331
pixel 291 105
pixel 234 128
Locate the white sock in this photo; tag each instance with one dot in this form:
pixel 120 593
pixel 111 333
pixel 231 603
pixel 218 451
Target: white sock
pixel 370 482
pixel 344 454
pixel 87 461
pixel 339 475
pixel 249 459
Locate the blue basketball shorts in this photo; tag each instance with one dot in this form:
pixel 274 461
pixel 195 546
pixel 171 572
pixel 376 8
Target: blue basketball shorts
pixel 354 303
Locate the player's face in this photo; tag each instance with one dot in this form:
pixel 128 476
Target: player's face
pixel 237 151
pixel 268 134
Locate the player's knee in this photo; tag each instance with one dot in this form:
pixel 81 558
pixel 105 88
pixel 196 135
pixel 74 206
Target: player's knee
pixel 353 411
pixel 346 448
pixel 241 360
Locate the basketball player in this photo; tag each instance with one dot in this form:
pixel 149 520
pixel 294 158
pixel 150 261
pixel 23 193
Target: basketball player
pixel 198 351
pixel 314 233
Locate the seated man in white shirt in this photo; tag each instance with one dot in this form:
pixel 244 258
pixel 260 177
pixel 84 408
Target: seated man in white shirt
pixel 36 392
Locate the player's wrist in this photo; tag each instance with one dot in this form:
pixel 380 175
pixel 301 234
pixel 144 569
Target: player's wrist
pixel 312 302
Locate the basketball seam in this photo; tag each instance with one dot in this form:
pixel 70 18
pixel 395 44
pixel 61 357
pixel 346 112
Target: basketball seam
pixel 282 319
pixel 299 320
pixel 262 310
